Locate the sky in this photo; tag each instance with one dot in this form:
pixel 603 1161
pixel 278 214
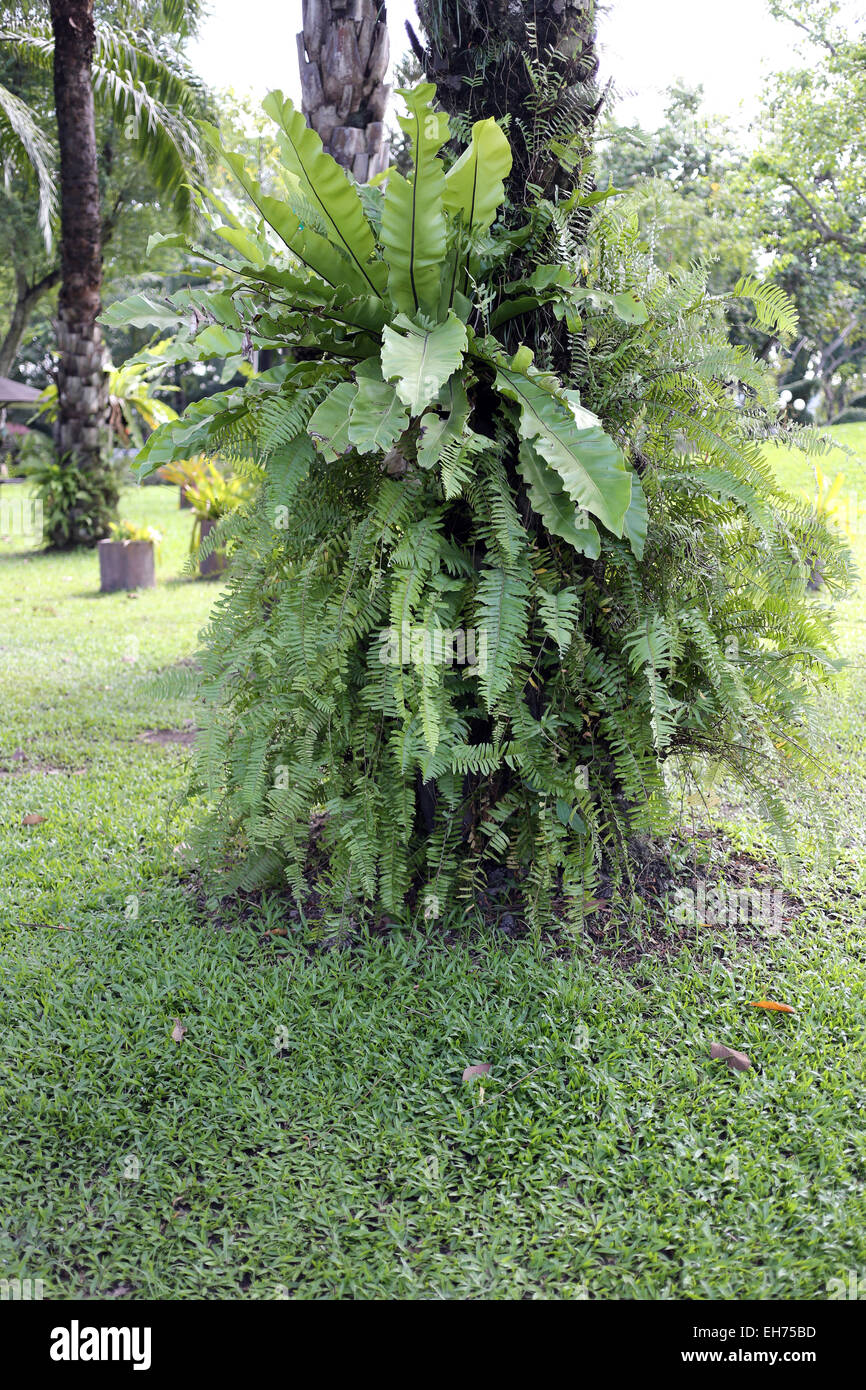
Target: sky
pixel 646 45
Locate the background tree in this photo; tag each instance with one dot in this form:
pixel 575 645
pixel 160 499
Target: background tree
pixel 148 104
pixel 787 203
pixel 343 52
pixel 683 168
pixel 805 189
pixel 82 390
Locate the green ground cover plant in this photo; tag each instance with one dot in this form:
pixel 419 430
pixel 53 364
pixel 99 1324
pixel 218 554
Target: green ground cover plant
pixel 310 1134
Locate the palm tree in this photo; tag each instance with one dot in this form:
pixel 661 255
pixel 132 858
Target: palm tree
pixel 343 54
pixel 531 60
pixel 82 388
pixel 142 83
pixel 141 80
pixel 531 64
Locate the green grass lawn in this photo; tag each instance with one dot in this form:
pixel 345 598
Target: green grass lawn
pixel 311 1134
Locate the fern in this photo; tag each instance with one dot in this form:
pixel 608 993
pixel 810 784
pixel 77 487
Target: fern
pixel 773 307
pixel 438 613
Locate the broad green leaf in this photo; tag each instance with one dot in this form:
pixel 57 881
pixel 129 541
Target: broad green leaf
pixel 421 359
pixel 635 524
pixel 474 185
pixel 323 181
pixel 378 417
pixel 587 460
pixel 328 426
pixel 243 242
pixel 208 307
pixel 303 288
pixel 438 432
pixel 569 816
pixel 215 341
pixel 191 434
pixel 635 521
pixel 513 308
pixel 138 311
pixel 314 250
pixel 413 232
pixel 554 506
pixel 628 307
pixel 172 239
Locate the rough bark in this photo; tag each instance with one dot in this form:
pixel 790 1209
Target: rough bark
pixel 82 390
pixel 485 57
pixel 533 65
pixel 343 53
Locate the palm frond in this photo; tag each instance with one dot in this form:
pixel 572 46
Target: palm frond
pixel 146 84
pixel 25 146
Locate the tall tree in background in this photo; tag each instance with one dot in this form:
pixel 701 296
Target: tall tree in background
pixel 82 391
pixel 147 104
pixel 533 62
pixel 343 53
pixel 139 112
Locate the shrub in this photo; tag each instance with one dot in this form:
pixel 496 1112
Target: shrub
pixel 484 603
pixel 77 505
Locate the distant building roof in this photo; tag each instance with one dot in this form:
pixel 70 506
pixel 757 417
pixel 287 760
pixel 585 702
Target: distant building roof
pixel 16 393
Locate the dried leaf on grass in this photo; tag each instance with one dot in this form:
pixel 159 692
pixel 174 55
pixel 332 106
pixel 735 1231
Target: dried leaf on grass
pixel 480 1069
pixel 737 1061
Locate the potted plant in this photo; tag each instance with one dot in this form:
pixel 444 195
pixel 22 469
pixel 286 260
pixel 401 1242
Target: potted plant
pixel 127 559
pixel 212 496
pixel 825 506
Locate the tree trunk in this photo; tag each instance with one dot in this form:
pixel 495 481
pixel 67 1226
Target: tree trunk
pixel 532 60
pixel 532 64
pixel 27 297
pixel 343 54
pixel 82 390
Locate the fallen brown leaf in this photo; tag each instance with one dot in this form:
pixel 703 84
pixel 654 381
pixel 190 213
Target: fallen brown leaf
pixel 771 1004
pixel 178 1031
pixel 480 1069
pixel 32 819
pixel 737 1061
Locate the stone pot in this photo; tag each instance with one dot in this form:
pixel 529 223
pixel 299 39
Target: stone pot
pixel 126 565
pixel 214 563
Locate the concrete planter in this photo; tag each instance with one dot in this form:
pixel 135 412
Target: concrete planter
pixel 126 565
pixel 214 563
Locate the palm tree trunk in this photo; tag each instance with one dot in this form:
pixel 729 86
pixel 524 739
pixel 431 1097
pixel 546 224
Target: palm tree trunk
pixel 534 63
pixel 343 54
pixel 532 60
pixel 82 392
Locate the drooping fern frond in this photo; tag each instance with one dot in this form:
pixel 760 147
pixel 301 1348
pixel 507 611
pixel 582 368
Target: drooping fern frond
pixel 773 307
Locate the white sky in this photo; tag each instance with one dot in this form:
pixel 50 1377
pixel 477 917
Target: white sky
pixel 645 45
